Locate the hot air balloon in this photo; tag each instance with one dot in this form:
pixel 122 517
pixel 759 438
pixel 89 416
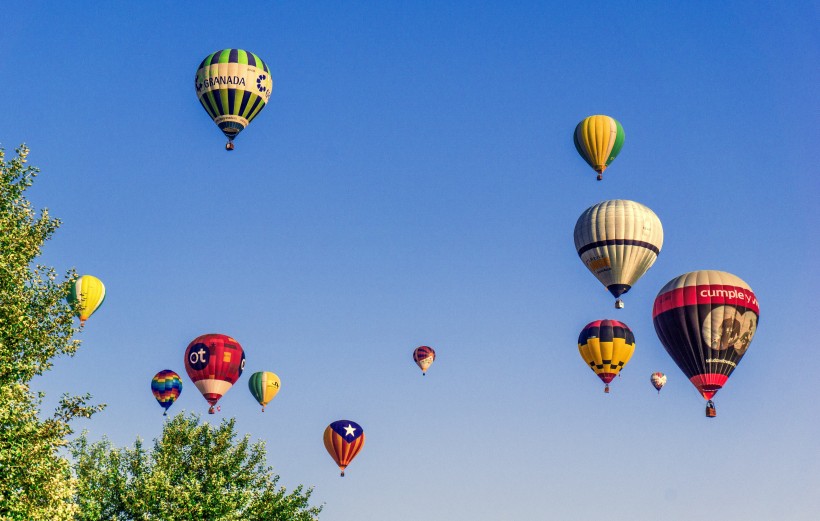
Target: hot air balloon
pixel 166 387
pixel 599 139
pixel 87 294
pixel 706 320
pixel 264 386
pixel 214 363
pixel 233 86
pixel 424 357
pixel 618 241
pixel 343 440
pixel 606 346
pixel 658 380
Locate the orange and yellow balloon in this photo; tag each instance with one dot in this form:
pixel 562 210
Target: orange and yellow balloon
pixel 343 441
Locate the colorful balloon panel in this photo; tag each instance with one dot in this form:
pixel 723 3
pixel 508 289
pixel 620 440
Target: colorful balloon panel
pixel 606 346
pixel 658 380
pixel 618 241
pixel 214 363
pixel 343 440
pixel 88 294
pixel 424 357
pixel 233 86
pixel 166 387
pixel 706 320
pixel 264 386
pixel 599 139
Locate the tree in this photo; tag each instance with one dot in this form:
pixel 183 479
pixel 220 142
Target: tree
pixel 36 325
pixel 195 471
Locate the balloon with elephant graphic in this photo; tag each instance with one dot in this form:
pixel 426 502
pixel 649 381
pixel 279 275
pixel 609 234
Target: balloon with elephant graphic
pixel 706 320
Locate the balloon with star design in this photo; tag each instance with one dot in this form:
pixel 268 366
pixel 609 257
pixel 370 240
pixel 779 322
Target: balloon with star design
pixel 343 441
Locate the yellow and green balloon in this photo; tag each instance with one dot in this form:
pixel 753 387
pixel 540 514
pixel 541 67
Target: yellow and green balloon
pixel 599 139
pixel 233 86
pixel 264 386
pixel 86 295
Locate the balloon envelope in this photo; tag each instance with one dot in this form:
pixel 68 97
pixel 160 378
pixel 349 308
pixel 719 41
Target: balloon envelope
pixel 658 380
pixel 233 86
pixel 166 387
pixel 606 346
pixel 599 139
pixel 618 241
pixel 214 363
pixel 87 294
pixel 343 440
pixel 706 320
pixel 264 385
pixel 424 357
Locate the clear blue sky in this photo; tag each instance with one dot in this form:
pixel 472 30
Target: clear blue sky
pixel 413 181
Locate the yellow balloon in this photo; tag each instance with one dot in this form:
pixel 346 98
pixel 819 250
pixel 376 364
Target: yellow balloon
pixel 87 294
pixel 599 139
pixel 264 386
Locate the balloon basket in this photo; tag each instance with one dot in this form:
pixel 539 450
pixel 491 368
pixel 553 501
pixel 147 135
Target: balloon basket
pixel 606 389
pixel 619 304
pixel 229 145
pixel 600 176
pixel 711 412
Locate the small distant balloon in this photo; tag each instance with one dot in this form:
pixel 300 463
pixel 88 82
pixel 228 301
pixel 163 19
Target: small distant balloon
pixel 599 139
pixel 166 387
pixel 343 441
pixel 264 385
pixel 658 380
pixel 214 363
pixel 87 294
pixel 424 357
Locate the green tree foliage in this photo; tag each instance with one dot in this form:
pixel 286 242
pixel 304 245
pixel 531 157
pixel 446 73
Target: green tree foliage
pixel 36 325
pixel 195 471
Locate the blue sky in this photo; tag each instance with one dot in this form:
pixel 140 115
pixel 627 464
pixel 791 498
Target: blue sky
pixel 413 181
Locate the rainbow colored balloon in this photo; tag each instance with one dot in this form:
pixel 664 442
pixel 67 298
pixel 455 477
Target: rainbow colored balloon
pixel 166 387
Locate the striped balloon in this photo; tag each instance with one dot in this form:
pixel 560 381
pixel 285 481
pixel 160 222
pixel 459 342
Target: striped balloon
pixel 706 320
pixel 166 387
pixel 264 385
pixel 233 86
pixel 606 346
pixel 87 294
pixel 599 139
pixel 424 357
pixel 618 241
pixel 343 440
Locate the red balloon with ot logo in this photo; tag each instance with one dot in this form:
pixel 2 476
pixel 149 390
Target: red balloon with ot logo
pixel 214 363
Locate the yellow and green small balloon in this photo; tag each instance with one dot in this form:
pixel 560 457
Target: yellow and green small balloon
pixel 86 295
pixel 264 386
